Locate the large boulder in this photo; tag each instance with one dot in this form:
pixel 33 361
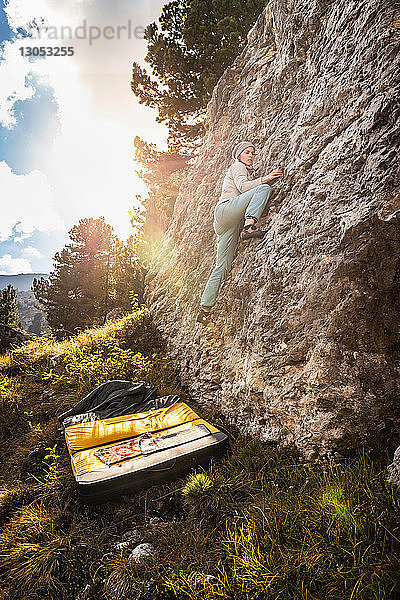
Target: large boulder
pixel 307 342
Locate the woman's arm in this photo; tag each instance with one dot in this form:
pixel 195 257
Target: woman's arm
pixel 239 175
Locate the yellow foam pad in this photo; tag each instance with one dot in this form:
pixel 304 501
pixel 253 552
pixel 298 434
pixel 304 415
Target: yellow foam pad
pixel 86 460
pixel 105 431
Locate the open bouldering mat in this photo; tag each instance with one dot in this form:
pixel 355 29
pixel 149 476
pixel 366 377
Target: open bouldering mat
pixel 122 438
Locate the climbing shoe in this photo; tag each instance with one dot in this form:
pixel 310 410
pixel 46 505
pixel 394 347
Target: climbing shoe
pixel 204 317
pixel 251 231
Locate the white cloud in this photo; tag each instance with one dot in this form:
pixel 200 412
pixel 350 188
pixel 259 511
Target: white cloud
pixel 103 68
pixel 27 204
pixel 14 266
pixel 31 251
pixel 22 237
pixel 13 83
pixel 90 164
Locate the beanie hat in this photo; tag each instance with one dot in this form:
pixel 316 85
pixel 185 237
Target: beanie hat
pixel 238 149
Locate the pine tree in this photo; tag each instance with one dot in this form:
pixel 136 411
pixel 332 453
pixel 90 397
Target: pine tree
pixel 195 41
pixel 87 282
pixel 162 172
pixel 9 307
pixel 127 274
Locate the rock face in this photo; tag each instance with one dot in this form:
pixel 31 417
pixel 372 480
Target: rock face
pixel 307 339
pixel 11 337
pixel 394 468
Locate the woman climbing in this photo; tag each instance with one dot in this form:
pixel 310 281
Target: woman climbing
pixel 240 198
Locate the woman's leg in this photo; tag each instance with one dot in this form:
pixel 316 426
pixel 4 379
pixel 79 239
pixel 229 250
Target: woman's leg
pixel 249 204
pixel 227 223
pixel 226 246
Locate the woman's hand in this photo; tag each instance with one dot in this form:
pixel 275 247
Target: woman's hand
pixel 275 174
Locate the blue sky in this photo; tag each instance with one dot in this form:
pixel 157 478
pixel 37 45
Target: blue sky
pixel 37 126
pixel 5 31
pixel 66 128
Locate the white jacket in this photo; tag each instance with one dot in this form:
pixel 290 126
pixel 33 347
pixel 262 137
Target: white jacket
pixel 236 181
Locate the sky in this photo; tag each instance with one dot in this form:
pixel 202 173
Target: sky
pixel 67 123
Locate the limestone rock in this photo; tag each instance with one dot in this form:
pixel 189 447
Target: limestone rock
pixel 133 536
pixel 307 340
pixel 130 538
pixel 11 337
pixel 394 468
pixel 142 551
pixel 122 545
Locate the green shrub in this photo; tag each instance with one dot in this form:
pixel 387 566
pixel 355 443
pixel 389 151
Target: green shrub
pixel 197 485
pixel 86 368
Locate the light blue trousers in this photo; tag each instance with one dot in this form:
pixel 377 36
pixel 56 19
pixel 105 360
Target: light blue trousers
pixel 227 225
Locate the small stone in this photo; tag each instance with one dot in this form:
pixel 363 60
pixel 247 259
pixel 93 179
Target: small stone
pixel 206 578
pixel 134 536
pixel 84 593
pixel 122 545
pixel 210 579
pixel 141 551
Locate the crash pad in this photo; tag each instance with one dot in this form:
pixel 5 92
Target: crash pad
pixel 122 438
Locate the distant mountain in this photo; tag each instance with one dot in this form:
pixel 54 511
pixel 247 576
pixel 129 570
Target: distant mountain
pixel 32 319
pixel 21 282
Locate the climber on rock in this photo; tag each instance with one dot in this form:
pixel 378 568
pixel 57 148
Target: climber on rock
pixel 241 197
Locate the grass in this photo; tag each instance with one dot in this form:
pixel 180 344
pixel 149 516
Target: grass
pixel 84 361
pixel 261 524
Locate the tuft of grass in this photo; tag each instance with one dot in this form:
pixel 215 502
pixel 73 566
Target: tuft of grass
pixel 197 485
pixel 333 502
pixel 11 499
pixel 39 565
pixel 123 580
pixel 38 559
pixel 11 407
pixel 299 531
